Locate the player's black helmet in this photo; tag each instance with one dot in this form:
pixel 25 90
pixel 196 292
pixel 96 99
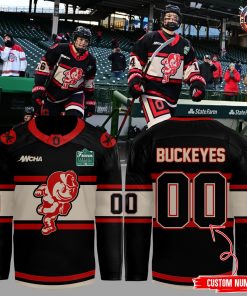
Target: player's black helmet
pixel 172 26
pixel 83 32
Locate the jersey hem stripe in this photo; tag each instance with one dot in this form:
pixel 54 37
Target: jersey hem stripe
pixel 65 278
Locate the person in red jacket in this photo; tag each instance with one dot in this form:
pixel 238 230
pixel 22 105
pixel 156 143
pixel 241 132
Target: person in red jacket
pixel 217 74
pixel 232 78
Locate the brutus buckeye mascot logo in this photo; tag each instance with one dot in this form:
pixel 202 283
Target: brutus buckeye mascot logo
pixel 57 194
pixel 171 63
pixel 72 76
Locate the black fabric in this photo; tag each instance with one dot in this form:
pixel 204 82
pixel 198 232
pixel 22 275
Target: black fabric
pixel 44 255
pixel 5 249
pixel 136 265
pixel 56 125
pixel 109 253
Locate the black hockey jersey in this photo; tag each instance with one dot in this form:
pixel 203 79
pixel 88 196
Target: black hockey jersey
pixel 173 63
pixel 184 175
pixel 59 176
pixel 63 73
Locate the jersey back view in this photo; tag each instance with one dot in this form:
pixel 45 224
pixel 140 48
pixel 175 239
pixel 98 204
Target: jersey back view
pixel 183 176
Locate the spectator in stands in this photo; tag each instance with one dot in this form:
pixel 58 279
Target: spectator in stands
pixel 245 87
pixel 245 81
pixel 223 52
pixel 217 74
pixel 58 38
pixel 232 78
pixel 207 68
pixel 13 57
pixel 114 43
pixel 61 38
pixel 99 36
pixel 238 67
pixel 118 62
pixel 65 38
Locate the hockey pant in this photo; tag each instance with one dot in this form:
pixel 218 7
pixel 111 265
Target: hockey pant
pixel 156 109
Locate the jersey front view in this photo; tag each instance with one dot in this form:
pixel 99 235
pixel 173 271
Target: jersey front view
pixel 59 176
pixel 186 178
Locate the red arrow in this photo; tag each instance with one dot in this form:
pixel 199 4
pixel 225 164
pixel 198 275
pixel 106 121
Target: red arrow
pixel 225 255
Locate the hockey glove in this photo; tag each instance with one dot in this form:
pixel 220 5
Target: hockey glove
pixel 135 87
pixel 197 88
pixel 90 106
pixel 38 95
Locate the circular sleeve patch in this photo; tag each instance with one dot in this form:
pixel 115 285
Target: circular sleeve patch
pixel 8 138
pixel 107 141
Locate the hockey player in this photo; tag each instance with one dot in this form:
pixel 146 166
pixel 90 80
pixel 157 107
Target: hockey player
pixel 13 57
pixel 159 84
pixel 64 78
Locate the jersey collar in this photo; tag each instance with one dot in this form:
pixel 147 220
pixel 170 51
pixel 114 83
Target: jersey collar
pixel 56 140
pixel 174 42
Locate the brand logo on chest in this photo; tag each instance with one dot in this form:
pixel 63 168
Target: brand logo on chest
pixel 30 158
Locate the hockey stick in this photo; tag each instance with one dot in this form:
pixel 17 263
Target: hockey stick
pixel 163 45
pixel 102 127
pixel 54 70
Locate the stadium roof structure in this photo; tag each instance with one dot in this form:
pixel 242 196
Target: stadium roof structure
pixel 196 11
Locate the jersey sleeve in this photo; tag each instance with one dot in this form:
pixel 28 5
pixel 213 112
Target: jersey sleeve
pixel 138 57
pixel 23 60
pixel 191 67
pixel 138 215
pixel 6 214
pixel 46 65
pixel 88 84
pixel 4 53
pixel 109 217
pixel 238 200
